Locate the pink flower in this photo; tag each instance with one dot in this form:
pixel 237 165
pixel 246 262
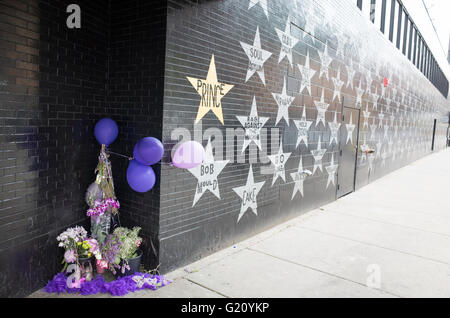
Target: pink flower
pixel 138 243
pixel 102 263
pixel 70 256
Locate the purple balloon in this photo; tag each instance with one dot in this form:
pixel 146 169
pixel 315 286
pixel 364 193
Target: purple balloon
pixel 106 131
pixel 188 155
pixel 148 151
pixel 140 178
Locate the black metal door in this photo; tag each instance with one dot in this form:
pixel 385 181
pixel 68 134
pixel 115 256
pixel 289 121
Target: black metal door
pixel 434 134
pixel 348 148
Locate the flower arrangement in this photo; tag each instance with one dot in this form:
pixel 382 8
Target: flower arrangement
pixel 119 247
pixel 101 206
pixel 77 245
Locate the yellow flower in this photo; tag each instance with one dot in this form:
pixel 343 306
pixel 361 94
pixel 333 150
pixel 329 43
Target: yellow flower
pixel 79 243
pixel 89 254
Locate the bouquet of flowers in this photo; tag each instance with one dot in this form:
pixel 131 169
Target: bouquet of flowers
pixel 120 246
pixel 77 245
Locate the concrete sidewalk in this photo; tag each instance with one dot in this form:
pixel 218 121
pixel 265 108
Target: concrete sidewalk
pixel 395 232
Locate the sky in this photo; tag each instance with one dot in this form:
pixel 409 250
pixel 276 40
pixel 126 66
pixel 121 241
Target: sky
pixel 440 14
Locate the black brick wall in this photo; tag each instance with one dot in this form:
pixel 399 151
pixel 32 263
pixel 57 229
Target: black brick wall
pixel 199 29
pixel 135 97
pixel 55 84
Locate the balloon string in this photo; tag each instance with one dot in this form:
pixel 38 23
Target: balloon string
pixel 120 155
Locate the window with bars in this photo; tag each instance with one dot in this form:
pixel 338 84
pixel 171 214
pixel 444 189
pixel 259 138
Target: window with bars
pixel 394 22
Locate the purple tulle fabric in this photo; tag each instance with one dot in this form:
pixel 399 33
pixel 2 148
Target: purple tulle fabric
pixel 119 287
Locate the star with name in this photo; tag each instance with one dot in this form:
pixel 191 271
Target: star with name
pixel 321 109
pixel 287 42
pixel 318 155
pixel 279 161
pixel 331 170
pixel 307 74
pixel 252 125
pixel 303 126
pixel 283 101
pixel 359 93
pixel 211 92
pixel 326 60
pixel 299 177
pixel 366 115
pixel 351 75
pixel 248 194
pixel 373 129
pixel 257 57
pixel 381 117
pixel 207 173
pixel 334 129
pixel 338 83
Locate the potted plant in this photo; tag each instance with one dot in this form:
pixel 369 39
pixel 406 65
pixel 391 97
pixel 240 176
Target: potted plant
pixel 121 251
pixel 79 249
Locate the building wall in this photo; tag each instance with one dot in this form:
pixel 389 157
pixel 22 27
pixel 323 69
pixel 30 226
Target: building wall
pixel 53 91
pixel 55 83
pixel 197 30
pixel 134 99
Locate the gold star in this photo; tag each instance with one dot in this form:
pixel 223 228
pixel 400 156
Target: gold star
pixel 211 92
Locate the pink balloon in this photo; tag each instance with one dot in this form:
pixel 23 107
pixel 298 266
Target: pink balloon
pixel 188 155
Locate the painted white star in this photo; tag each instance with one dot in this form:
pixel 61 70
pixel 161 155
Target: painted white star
pixel 359 93
pixel 380 116
pixel 373 130
pixel 307 74
pixel 287 42
pixel 326 61
pixel 279 161
pixel 386 132
pixel 303 126
pixel 263 4
pixel 338 83
pixel 207 174
pixel 299 177
pixel 283 101
pixel 318 155
pixel 351 75
pixel 350 128
pixel 257 57
pixel 366 115
pixel 248 194
pixel 334 128
pixel 252 124
pixel 321 109
pixel 331 170
pixel 374 100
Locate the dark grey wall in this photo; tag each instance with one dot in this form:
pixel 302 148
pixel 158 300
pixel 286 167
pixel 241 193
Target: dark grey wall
pixel 55 84
pixel 196 30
